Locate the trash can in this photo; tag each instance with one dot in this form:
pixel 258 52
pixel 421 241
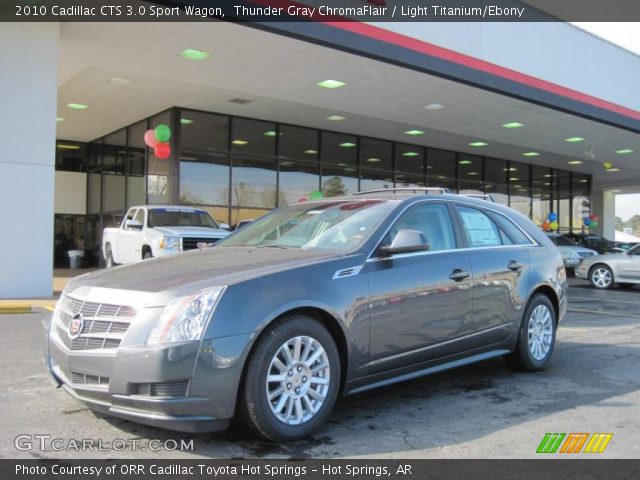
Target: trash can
pixel 75 258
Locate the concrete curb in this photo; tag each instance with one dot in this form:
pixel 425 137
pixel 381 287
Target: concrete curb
pixel 15 307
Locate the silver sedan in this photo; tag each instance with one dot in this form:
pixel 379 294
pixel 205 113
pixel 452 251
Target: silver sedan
pixel 604 271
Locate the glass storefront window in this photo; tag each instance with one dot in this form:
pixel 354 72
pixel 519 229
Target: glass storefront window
pixel 541 182
pixel 339 181
pixel 70 156
pixel 518 176
pixel 204 178
pixel 375 154
pixel 562 198
pixel 581 201
pixel 297 143
pixel 470 168
pixel 297 181
pixel 496 173
pixel 410 159
pixel 338 149
pixel 254 183
pixel 204 131
pixel 441 169
pixel 114 152
pixel 375 180
pixel 68 235
pixel 253 137
pixel 159 185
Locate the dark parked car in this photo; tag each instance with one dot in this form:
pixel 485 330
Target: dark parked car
pixel 594 242
pixel 309 302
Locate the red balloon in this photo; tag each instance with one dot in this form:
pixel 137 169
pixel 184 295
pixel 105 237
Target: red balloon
pixel 150 138
pixel 595 218
pixel 162 150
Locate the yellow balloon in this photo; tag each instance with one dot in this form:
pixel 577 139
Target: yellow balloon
pixel 607 165
pixel 553 225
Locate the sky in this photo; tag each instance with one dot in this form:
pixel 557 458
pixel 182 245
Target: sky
pixel 626 35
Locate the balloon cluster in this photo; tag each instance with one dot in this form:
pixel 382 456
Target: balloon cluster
pixel 551 223
pixel 157 139
pixel 591 221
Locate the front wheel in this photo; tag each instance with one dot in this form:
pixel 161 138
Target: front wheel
pixel 537 336
pixel 291 381
pixel 601 277
pixel 109 258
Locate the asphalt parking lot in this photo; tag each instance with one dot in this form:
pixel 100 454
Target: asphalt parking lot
pixel 481 411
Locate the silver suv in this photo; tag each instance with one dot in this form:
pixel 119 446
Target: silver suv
pixel 309 302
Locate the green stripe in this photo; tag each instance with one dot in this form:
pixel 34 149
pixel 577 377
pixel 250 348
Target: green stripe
pixel 550 443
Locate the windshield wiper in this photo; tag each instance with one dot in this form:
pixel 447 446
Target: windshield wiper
pixel 274 245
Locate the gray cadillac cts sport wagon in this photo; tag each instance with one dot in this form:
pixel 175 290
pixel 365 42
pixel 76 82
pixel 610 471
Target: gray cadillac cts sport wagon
pixel 311 301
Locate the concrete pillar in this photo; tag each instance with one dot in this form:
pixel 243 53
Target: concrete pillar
pixel 603 204
pixel 28 86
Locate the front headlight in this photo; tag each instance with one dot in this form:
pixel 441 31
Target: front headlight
pixel 186 317
pixel 170 243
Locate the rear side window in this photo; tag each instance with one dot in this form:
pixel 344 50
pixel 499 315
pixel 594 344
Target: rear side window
pixel 140 216
pixel 480 229
pixel 516 235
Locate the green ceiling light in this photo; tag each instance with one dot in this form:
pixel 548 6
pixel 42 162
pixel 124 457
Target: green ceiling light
pixel 59 119
pixel 77 106
pixel 574 139
pixel 185 121
pixel 513 125
pixel 574 162
pixel 530 154
pixel 194 54
pixel 583 180
pixel 239 142
pixel 410 154
pixel 311 152
pixel 478 144
pixel 270 133
pixel 624 151
pixel 465 162
pixel 414 132
pixel 336 118
pixel 510 169
pixel 331 84
pixel 373 160
pixel 64 146
pixel 347 144
pixel 514 179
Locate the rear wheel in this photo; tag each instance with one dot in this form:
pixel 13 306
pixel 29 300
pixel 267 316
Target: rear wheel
pixel 537 336
pixel 601 277
pixel 109 262
pixel 291 381
pixel 147 254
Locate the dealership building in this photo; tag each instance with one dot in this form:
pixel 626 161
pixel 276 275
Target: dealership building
pixel 544 117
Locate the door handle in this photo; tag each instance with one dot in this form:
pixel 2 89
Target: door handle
pixel 515 266
pixel 458 275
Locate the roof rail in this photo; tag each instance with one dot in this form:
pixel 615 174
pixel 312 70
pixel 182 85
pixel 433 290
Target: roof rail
pixel 440 190
pixel 481 196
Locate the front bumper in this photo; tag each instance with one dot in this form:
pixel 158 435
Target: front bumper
pixel 188 387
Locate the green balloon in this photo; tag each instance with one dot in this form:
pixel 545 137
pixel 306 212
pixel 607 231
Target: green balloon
pixel 593 224
pixel 162 133
pixel 316 195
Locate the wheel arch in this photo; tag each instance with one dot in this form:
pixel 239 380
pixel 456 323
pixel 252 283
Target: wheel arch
pixel 145 248
pixel 604 264
pixel 551 294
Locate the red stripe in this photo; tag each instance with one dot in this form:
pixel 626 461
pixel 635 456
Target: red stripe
pixel 471 62
pixel 420 46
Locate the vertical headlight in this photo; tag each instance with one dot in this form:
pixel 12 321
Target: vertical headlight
pixel 186 317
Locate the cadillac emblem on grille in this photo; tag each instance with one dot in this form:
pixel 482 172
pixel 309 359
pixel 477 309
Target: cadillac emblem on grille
pixel 75 326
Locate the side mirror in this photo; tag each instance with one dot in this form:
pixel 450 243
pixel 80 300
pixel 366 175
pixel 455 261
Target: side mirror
pixel 133 224
pixel 406 241
pixel 225 226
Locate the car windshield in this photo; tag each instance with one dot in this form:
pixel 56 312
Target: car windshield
pixel 180 217
pixel 563 241
pixel 333 225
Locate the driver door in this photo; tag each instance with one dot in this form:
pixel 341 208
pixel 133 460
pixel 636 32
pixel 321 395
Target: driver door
pixel 419 301
pixel 131 238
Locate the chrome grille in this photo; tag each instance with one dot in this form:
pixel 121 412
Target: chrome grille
pixel 104 324
pixel 191 243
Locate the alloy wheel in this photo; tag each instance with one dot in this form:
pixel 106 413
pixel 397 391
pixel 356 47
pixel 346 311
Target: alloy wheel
pixel 601 277
pixel 540 333
pixel 298 380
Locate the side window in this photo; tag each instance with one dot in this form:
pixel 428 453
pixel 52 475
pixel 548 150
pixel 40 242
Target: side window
pixel 140 216
pixel 510 233
pixel 430 219
pixel 481 231
pixel 130 214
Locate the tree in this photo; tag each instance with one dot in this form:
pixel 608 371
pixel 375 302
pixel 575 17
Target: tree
pixel 334 187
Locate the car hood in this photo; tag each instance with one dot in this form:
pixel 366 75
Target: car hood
pixel 606 257
pixel 174 275
pixel 192 231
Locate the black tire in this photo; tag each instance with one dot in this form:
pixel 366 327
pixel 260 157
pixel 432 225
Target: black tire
pixel 601 277
pixel 254 408
pixel 523 357
pixel 109 262
pixel 146 255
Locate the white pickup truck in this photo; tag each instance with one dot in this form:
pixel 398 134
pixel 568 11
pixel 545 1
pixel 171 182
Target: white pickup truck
pixel 155 231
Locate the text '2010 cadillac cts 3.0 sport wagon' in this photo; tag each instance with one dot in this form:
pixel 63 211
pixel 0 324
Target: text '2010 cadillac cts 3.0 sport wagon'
pixel 311 301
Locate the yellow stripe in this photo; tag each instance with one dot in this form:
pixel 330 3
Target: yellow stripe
pixel 47 307
pixel 607 439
